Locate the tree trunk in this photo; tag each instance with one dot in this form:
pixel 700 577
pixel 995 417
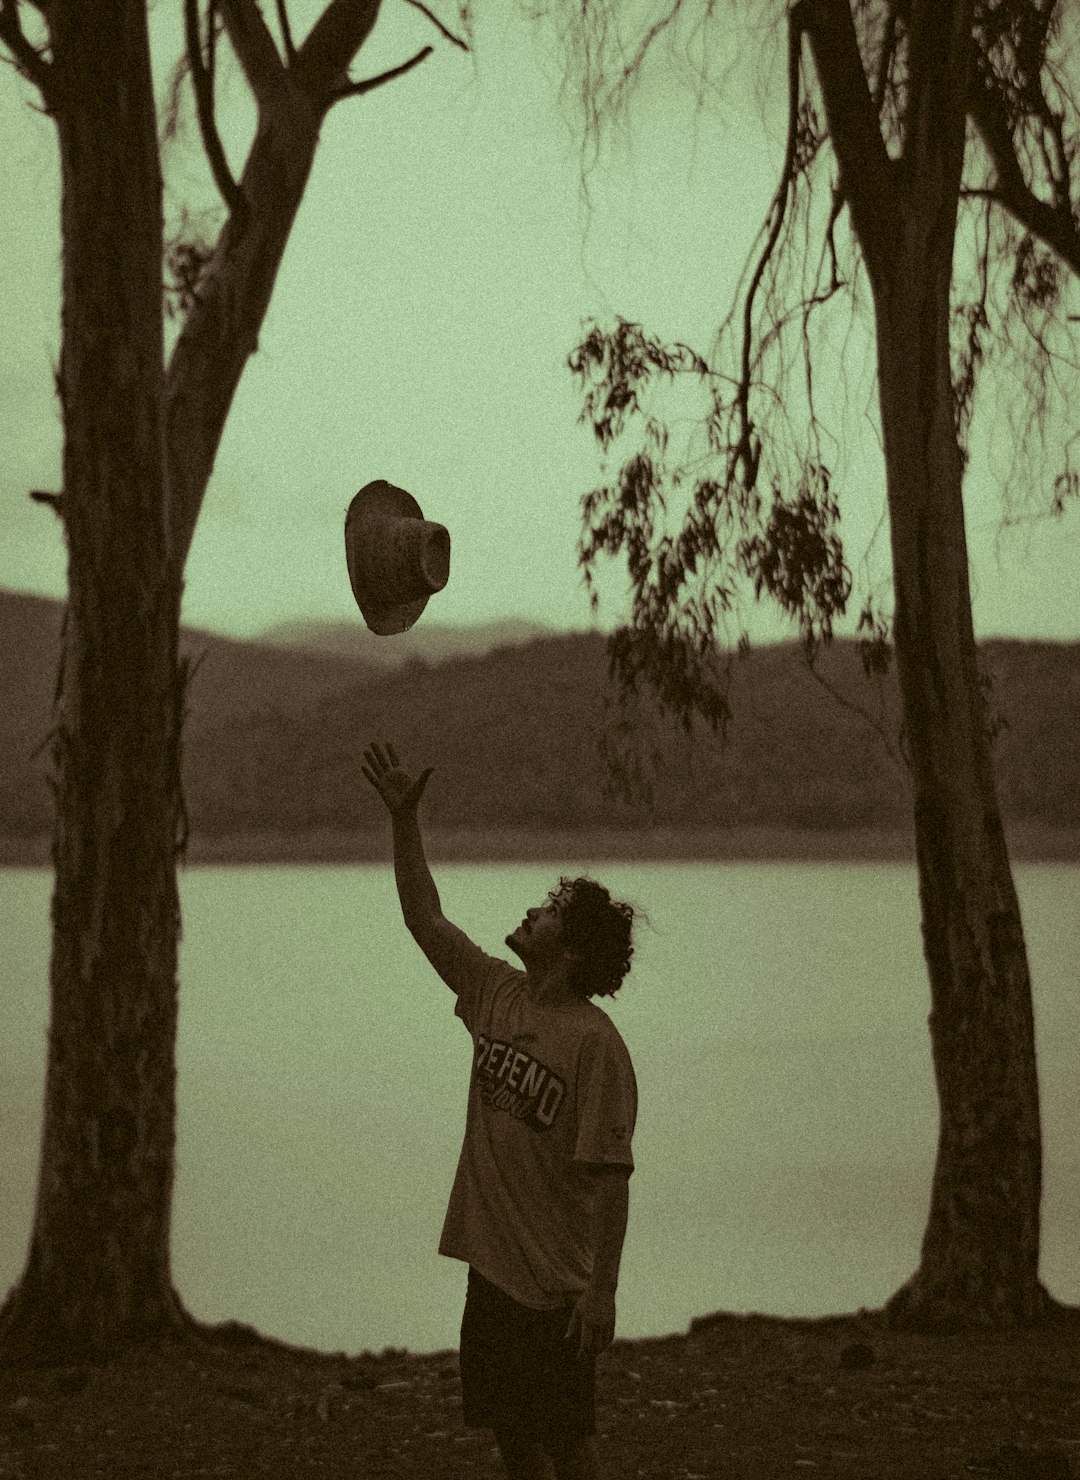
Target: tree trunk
pixel 98 1270
pixel 139 447
pixel 980 1252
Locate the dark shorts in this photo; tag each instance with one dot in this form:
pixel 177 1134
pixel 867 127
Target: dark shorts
pixel 518 1373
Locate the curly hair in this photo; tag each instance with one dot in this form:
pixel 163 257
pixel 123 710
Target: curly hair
pixel 597 929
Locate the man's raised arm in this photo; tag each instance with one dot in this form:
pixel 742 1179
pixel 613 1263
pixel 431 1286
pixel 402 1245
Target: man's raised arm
pixel 441 942
pixel 401 795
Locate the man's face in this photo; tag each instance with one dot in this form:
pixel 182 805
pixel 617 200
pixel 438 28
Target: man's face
pixel 538 940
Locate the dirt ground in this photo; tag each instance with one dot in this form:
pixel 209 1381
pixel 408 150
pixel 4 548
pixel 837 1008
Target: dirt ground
pixel 734 1398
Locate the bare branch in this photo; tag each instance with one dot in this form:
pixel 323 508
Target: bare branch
pixel 55 501
pixel 888 51
pixel 437 23
pixel 837 206
pixel 1053 225
pixel 854 132
pixel 810 659
pixel 322 63
pixel 779 208
pixel 170 114
pixel 211 40
pixel 286 32
pixel 26 57
pixel 202 84
pixel 255 50
pixel 368 84
pixel 940 65
pixel 633 67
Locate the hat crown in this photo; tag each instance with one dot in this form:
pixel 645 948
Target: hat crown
pixel 396 557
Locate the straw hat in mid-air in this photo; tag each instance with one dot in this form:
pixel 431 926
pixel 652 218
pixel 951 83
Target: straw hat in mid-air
pixel 396 557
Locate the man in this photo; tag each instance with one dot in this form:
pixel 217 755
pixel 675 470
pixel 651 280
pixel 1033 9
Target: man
pixel 539 1202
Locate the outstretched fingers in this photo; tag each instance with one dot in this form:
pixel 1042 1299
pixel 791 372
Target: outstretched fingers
pixel 375 766
pixel 384 771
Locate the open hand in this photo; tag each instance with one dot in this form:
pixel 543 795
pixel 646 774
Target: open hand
pixel 390 779
pixel 592 1323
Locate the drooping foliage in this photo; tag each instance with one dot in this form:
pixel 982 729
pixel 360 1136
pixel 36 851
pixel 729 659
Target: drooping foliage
pixel 749 501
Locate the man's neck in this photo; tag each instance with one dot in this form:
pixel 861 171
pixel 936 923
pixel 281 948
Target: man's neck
pixel 549 988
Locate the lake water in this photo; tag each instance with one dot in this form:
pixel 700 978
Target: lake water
pixel 776 1016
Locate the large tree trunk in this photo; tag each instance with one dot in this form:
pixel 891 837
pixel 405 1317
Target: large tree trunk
pixel 139 448
pixel 98 1270
pixel 980 1252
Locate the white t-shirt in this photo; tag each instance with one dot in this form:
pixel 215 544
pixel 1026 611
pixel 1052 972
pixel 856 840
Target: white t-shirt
pixel 552 1087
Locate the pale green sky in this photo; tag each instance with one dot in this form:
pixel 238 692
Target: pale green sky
pixel 437 277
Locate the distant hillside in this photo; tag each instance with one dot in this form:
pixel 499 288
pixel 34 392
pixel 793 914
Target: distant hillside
pixel 514 737
pixel 427 640
pixel 233 680
pixel 275 737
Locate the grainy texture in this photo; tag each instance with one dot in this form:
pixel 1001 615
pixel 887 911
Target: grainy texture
pixel 508 845
pixel 736 1398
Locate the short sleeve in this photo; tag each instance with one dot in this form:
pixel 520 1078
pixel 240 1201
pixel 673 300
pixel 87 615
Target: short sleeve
pixel 475 975
pixel 606 1101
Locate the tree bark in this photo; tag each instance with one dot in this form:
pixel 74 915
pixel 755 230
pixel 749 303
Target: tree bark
pixel 139 448
pixel 980 1252
pixel 98 1269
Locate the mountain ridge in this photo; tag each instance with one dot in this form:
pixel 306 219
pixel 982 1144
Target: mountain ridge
pixel 518 733
pixel 431 642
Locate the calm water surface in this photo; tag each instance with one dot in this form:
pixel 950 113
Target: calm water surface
pixel 777 1020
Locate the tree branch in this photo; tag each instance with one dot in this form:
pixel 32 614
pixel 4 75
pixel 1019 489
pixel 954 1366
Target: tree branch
pixel 222 326
pixel 1054 226
pixel 26 58
pixel 55 501
pixel 357 89
pixel 940 65
pixel 286 32
pixel 437 23
pixel 838 204
pixel 866 171
pixel 810 658
pixel 250 38
pixel 202 84
pixel 322 63
pixel 211 41
pixel 746 453
pixel 888 50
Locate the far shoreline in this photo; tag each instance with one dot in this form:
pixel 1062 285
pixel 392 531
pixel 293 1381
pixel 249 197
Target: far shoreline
pixel 1028 843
